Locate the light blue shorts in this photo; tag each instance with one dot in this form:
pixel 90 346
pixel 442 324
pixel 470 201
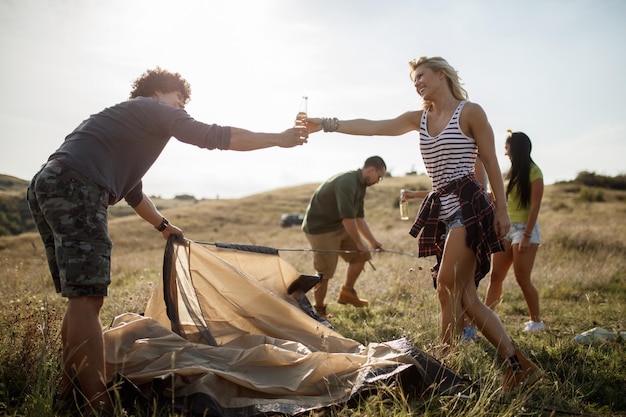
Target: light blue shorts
pixel 454 221
pixel 516 232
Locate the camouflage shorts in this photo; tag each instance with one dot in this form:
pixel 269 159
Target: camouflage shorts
pixel 71 214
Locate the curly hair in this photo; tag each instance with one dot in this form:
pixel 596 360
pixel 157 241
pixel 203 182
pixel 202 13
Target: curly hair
pixel 437 64
pixel 158 79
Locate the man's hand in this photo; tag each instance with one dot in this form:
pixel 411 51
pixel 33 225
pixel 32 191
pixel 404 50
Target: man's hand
pixel 294 136
pixel 378 246
pixel 171 230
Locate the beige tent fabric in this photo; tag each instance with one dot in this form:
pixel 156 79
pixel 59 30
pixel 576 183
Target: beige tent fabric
pixel 240 293
pixel 268 354
pixel 240 376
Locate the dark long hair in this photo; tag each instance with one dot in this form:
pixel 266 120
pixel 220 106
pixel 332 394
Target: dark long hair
pixel 519 173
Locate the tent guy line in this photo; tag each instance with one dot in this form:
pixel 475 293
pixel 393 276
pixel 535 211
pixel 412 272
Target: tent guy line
pixel 274 251
pixel 267 248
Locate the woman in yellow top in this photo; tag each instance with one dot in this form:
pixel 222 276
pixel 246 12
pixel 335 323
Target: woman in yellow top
pixel 523 192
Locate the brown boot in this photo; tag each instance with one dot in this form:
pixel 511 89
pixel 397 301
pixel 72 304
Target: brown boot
pixel 520 374
pixel 321 311
pixel 348 296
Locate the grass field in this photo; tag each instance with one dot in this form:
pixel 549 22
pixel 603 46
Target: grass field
pixel 580 273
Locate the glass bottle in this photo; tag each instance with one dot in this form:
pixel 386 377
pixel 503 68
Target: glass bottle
pixel 302 113
pixel 404 206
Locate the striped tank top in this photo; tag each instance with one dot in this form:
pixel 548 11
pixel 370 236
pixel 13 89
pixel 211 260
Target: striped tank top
pixel 447 156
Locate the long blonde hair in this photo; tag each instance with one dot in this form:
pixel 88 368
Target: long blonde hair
pixel 436 64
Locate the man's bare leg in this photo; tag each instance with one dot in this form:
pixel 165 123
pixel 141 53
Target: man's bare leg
pixel 83 350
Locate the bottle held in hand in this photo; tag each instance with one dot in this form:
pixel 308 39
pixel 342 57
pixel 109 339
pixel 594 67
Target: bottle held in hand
pixel 404 206
pixel 302 114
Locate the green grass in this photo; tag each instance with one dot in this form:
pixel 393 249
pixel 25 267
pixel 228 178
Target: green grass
pixel 580 274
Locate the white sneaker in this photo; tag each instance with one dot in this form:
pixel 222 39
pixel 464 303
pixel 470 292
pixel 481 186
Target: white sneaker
pixel 534 326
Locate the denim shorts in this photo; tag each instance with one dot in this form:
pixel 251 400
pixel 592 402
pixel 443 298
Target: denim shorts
pixel 454 221
pixel 516 232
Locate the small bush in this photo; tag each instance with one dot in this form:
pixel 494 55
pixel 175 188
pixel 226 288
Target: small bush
pixel 591 195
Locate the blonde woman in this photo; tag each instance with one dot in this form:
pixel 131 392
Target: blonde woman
pixel 453 132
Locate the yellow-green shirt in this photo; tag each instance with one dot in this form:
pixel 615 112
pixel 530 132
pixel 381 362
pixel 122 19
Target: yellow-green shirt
pixel 519 214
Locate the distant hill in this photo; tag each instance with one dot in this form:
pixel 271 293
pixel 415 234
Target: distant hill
pixel 9 184
pixel 14 213
pixel 15 216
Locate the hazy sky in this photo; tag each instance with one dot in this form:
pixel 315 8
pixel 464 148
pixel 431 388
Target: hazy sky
pixel 553 69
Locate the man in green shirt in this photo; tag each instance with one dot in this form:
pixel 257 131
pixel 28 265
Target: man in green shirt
pixel 335 226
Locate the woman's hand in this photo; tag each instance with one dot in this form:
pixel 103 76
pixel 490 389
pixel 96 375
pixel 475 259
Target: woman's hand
pixel 502 223
pixel 524 244
pixel 313 124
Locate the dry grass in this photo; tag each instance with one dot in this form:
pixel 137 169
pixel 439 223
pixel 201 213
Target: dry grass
pixel 580 274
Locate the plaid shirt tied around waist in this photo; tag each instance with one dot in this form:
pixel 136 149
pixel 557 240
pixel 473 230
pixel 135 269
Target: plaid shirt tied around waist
pixel 478 218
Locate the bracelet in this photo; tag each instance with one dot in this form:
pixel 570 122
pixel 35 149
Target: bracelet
pixel 163 225
pixel 330 125
pixel 528 235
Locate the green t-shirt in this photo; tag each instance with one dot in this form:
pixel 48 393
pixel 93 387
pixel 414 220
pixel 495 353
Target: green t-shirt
pixel 339 197
pixel 519 214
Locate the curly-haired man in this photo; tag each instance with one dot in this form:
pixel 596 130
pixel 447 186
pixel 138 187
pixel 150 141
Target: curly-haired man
pixel 100 163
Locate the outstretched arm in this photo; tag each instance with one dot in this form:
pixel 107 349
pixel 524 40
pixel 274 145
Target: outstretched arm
pixel 402 124
pixel 245 140
pixel 411 194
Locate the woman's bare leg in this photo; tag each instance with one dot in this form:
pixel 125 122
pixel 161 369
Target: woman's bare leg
pixel 501 262
pixel 523 263
pixel 456 288
pixel 456 267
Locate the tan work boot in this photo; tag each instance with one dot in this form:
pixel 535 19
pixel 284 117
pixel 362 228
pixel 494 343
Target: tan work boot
pixel 348 296
pixel 521 376
pixel 322 312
